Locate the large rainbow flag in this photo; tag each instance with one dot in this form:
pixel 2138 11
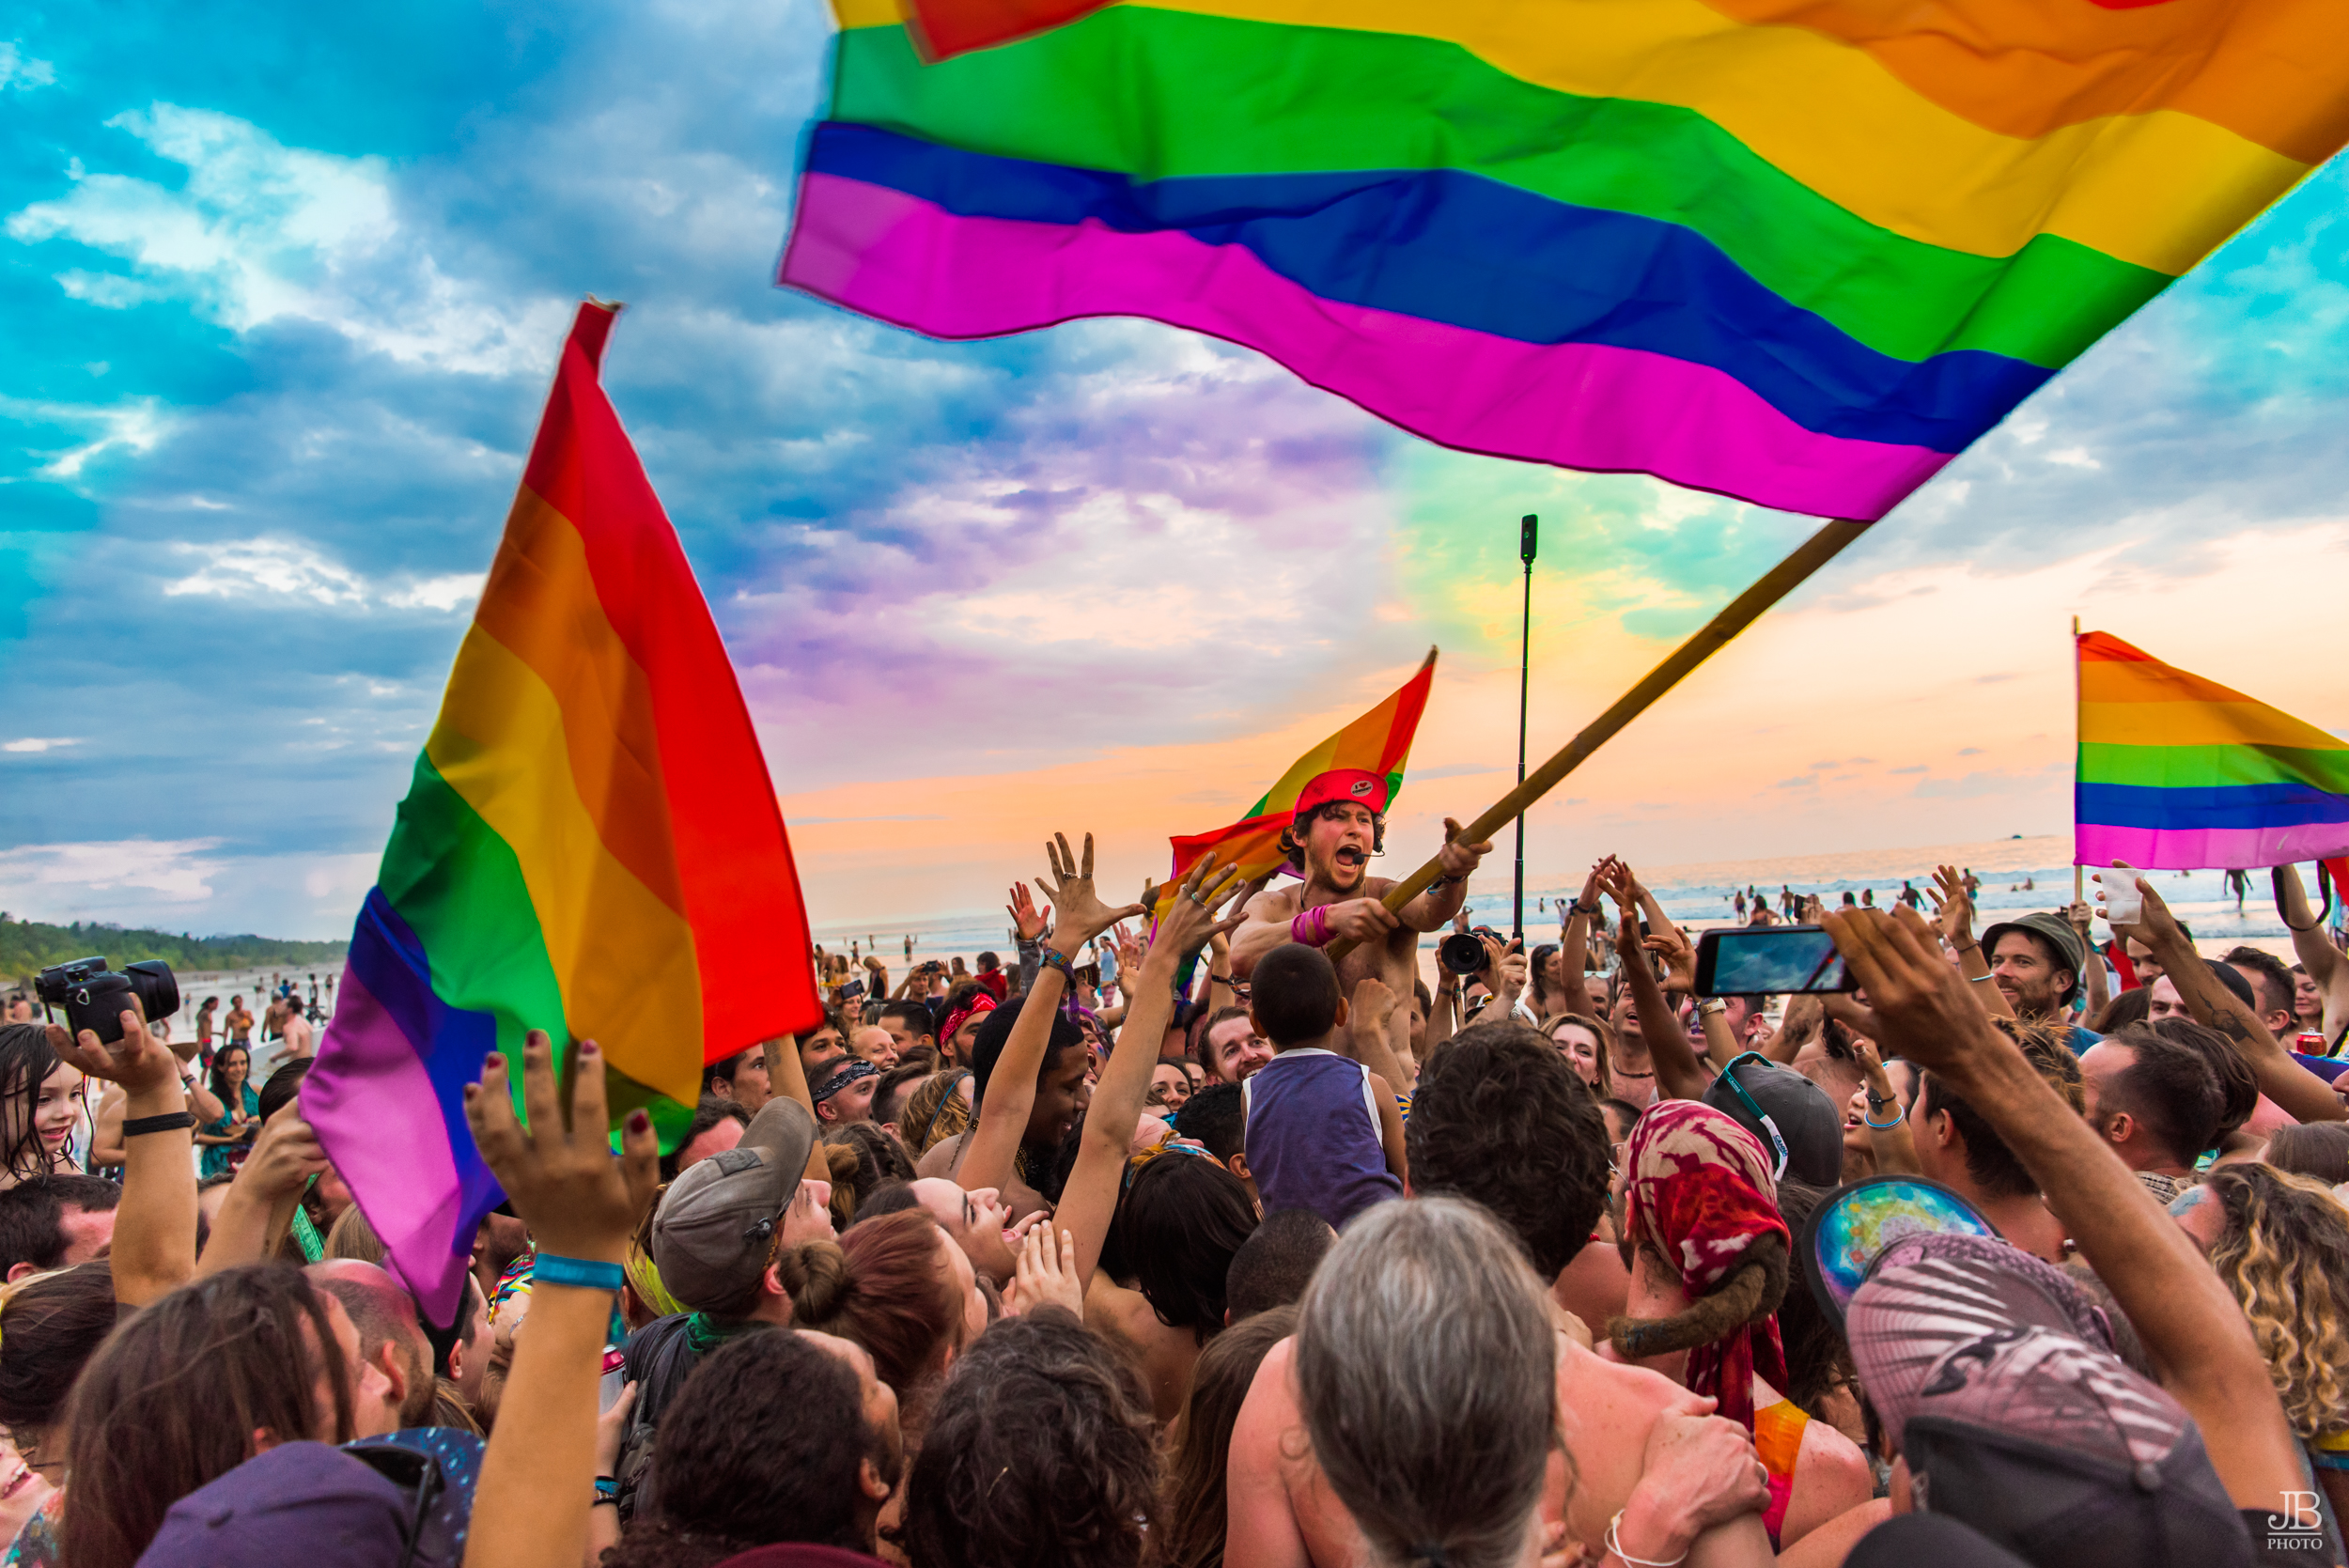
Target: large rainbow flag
pixel 1377 742
pixel 1799 254
pixel 2179 773
pixel 590 845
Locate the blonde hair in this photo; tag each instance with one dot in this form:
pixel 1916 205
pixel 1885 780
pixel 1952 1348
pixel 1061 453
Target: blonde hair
pixel 2285 1255
pixel 935 1113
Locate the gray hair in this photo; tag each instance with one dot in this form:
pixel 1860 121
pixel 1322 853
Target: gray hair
pixel 1428 1369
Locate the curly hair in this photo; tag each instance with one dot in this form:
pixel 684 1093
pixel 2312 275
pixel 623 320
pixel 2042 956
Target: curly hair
pixel 1040 1454
pixel 1500 1118
pixel 2285 1255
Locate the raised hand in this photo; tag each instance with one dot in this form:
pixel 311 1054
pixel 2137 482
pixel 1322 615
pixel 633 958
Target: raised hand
pixel 139 1061
pixel 2153 923
pixel 1082 915
pixel 1024 918
pixel 559 1172
pixel 1132 948
pixel 1671 945
pixel 1195 912
pixel 1461 859
pixel 1046 1275
pixel 1507 970
pixel 1916 1005
pixel 286 1155
pixel 1951 903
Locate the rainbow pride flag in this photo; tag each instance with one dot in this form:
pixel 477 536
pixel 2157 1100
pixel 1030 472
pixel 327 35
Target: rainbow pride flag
pixel 1800 254
pixel 1377 742
pixel 590 845
pixel 2179 773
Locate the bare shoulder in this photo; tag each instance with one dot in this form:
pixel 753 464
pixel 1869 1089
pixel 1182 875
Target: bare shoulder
pixel 1270 1408
pixel 1274 903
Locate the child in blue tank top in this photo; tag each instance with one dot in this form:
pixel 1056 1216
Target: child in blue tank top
pixel 1324 1132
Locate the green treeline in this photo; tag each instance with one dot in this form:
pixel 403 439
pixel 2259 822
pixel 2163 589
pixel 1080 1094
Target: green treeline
pixel 27 946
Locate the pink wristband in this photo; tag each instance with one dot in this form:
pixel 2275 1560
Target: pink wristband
pixel 1312 926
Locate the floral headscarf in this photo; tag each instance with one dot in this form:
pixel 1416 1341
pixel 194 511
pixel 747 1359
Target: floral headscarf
pixel 1699 1194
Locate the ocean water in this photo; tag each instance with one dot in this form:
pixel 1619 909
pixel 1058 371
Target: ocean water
pixel 2017 875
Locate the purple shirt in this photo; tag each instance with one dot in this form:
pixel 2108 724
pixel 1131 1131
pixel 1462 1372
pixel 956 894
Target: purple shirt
pixel 1313 1136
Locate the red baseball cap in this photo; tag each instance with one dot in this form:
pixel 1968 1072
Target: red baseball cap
pixel 1345 784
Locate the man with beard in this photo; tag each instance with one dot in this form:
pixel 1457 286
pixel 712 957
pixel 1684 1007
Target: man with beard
pixel 1339 824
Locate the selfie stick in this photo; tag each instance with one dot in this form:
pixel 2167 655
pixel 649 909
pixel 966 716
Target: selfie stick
pixel 1742 612
pixel 1527 526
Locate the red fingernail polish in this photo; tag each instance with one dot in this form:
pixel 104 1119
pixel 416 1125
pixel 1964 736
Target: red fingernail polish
pixel 587 1047
pixel 638 1121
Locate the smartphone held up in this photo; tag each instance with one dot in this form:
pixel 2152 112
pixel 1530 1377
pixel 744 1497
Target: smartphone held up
pixel 1769 960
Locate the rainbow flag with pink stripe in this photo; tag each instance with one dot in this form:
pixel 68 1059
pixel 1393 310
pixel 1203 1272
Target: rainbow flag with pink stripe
pixel 1801 255
pixel 2179 773
pixel 590 845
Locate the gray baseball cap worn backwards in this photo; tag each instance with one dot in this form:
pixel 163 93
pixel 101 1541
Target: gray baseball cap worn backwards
pixel 717 1221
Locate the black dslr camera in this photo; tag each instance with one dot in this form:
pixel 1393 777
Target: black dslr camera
pixel 1462 953
pixel 94 996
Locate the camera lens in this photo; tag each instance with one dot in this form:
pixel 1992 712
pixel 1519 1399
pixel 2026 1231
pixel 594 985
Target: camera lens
pixel 157 989
pixel 1461 953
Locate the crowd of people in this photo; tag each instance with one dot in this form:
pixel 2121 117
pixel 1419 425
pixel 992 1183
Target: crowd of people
pixel 1206 1231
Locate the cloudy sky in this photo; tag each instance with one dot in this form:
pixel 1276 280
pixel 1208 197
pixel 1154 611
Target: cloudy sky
pixel 283 291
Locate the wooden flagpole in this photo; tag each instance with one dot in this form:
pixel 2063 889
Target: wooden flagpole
pixel 1709 639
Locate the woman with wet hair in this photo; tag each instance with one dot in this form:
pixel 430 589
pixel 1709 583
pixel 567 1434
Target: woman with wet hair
pixel 40 1105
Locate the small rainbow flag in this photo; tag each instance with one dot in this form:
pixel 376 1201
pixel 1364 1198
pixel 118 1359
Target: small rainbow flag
pixel 590 845
pixel 2179 773
pixel 1797 254
pixel 1377 742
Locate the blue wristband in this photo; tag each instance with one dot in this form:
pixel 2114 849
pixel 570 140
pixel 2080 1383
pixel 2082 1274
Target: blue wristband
pixel 551 1271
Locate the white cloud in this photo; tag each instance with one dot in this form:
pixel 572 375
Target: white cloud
pixel 262 232
pixel 2074 456
pixel 40 744
pixel 173 869
pixel 283 568
pixel 278 568
pixel 20 70
pixel 445 592
pixel 137 425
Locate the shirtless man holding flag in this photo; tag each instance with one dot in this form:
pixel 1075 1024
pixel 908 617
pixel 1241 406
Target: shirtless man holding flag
pixel 1340 822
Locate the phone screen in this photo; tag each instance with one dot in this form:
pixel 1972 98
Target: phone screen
pixel 1756 961
pixel 852 990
